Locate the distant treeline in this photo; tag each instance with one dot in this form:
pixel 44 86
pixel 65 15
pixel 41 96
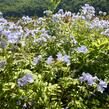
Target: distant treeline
pixel 36 7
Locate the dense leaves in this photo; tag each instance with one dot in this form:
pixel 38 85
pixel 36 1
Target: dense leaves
pixel 36 7
pixel 59 61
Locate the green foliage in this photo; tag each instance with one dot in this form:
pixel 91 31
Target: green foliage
pixel 74 5
pixel 36 7
pixel 22 7
pixel 54 84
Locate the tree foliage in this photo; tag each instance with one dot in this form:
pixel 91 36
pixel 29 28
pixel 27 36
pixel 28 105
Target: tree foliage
pixel 36 7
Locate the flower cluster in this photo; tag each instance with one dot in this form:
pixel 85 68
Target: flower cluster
pixel 50 52
pixel 49 60
pixel 88 77
pixel 88 11
pixel 82 49
pixel 64 58
pixel 93 80
pixel 106 32
pixel 99 24
pixel 27 19
pixel 37 59
pixel 25 79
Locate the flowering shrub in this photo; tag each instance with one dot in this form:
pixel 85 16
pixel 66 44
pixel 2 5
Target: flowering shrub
pixel 43 61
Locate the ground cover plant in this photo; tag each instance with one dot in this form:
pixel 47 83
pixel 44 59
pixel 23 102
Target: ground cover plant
pixel 59 61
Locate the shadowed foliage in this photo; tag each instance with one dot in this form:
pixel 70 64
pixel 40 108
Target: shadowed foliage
pixel 36 7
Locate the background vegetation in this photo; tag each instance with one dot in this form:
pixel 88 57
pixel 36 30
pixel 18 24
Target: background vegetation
pixel 59 61
pixel 36 7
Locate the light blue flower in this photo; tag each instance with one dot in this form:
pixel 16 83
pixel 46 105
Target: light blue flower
pixel 12 38
pixel 3 44
pixel 88 77
pixel 59 57
pixel 49 60
pixel 82 49
pixel 1 28
pixel 21 82
pixel 25 79
pixel 37 59
pixel 29 78
pixel 101 86
pixel 67 14
pixel 61 11
pixel 99 24
pixel 74 40
pixel 56 17
pixel 92 80
pixel 6 32
pixel 106 32
pixel 26 19
pixel 66 59
pixel 88 11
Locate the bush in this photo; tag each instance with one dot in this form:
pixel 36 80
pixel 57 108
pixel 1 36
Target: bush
pixel 59 61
